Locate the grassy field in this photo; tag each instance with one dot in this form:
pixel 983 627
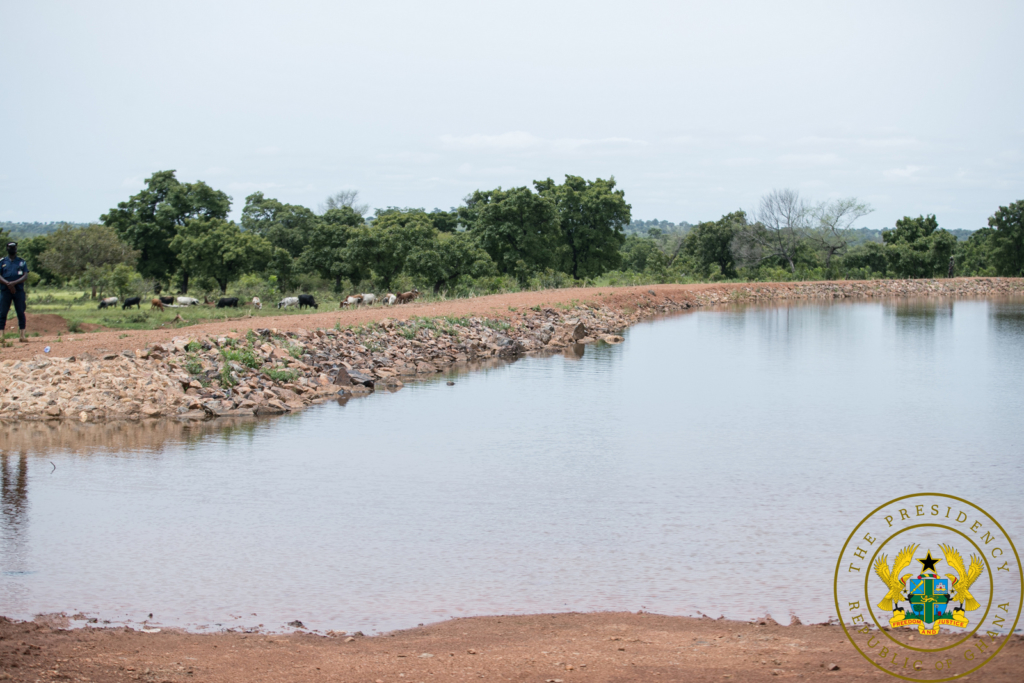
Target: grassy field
pixel 81 312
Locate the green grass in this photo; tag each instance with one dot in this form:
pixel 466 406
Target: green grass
pixel 78 308
pixel 226 380
pixel 246 356
pixel 499 325
pixel 193 365
pixel 281 374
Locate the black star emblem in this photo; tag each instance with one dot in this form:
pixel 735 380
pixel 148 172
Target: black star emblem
pixel 928 563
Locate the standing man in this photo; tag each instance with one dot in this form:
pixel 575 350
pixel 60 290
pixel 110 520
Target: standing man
pixel 13 271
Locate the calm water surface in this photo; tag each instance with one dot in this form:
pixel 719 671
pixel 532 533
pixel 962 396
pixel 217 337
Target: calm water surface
pixel 714 462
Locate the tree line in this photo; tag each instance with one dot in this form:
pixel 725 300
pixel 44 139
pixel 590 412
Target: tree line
pixel 789 239
pixel 177 235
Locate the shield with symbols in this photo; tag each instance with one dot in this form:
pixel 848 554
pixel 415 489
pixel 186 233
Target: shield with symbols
pixel 929 597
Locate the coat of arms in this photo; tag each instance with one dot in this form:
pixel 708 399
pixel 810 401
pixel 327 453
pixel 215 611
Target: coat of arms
pixel 930 596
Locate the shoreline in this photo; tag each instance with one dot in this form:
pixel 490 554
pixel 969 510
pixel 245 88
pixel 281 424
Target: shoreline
pixel 243 369
pixel 557 648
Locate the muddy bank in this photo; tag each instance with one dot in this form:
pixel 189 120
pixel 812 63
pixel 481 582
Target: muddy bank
pixel 558 648
pixel 206 372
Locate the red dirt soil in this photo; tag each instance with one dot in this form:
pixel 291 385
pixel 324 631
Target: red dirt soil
pixel 553 647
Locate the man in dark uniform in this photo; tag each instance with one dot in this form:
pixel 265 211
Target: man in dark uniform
pixel 13 271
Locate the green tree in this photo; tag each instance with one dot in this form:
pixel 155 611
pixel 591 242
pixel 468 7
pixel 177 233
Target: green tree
pixel 445 221
pixel 447 257
pixel 219 249
pixel 149 220
pixel 917 248
pixel 974 257
pixel 325 252
pixel 30 249
pixel 640 254
pixel 591 218
pixel 1008 240
pixel 93 250
pixel 288 226
pixel 517 227
pixel 282 269
pixel 710 244
pixel 870 255
pixel 125 280
pixel 383 246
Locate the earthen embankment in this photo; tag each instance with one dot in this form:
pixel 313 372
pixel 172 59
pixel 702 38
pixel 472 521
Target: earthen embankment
pixel 264 366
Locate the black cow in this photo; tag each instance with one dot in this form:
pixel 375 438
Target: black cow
pixel 227 302
pixel 167 300
pixel 132 301
pixel 307 300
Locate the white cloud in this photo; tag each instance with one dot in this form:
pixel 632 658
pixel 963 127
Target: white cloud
pixel 520 140
pixel 887 142
pixel 810 159
pixel 905 172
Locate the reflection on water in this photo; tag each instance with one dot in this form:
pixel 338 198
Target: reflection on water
pixel 715 461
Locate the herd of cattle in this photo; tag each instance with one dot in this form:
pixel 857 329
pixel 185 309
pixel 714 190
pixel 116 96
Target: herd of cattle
pixel 302 301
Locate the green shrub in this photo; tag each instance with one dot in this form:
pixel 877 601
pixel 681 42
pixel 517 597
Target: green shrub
pixel 226 380
pixel 74 326
pixel 245 356
pixel 280 374
pixel 193 365
pixel 495 324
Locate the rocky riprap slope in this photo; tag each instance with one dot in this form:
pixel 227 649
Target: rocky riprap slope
pixel 266 371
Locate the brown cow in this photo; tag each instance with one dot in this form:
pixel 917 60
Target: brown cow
pixel 406 297
pixel 156 303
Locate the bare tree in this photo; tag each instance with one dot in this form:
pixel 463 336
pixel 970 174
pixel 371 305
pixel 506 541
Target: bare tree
pixel 344 198
pixel 832 221
pixel 781 223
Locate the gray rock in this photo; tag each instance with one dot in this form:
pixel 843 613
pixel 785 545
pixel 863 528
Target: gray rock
pixel 359 378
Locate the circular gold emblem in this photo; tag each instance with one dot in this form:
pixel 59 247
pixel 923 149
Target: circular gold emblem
pixel 929 587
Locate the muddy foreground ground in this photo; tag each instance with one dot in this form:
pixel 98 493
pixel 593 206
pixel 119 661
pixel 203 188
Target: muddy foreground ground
pixel 555 647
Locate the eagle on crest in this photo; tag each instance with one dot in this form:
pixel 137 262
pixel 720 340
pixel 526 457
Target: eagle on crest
pixel 892 578
pixel 966 578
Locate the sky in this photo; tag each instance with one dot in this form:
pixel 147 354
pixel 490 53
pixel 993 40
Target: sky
pixel 696 108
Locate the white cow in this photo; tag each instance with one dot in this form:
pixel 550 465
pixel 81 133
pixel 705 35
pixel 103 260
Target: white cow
pixel 257 304
pixel 187 301
pixel 109 302
pixel 388 299
pixel 351 301
pixel 368 299
pixel 288 301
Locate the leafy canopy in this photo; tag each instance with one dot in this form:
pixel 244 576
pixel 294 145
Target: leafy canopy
pixel 149 220
pixel 591 218
pixel 220 250
pixel 518 229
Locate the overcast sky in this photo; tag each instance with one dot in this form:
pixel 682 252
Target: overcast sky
pixel 697 108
